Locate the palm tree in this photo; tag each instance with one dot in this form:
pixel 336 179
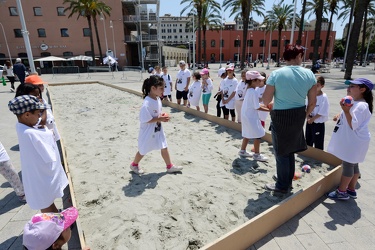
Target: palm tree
pixel 242 9
pixel 81 8
pixel 316 7
pixel 333 10
pixel 198 5
pixel 210 18
pixel 102 10
pixel 354 36
pixel 281 16
pixel 302 22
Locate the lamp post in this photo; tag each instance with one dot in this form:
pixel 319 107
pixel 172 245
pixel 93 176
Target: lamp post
pixel 264 44
pixel 102 18
pixel 113 38
pixel 193 44
pixel 6 43
pixel 140 33
pixel 330 48
pixel 25 35
pixel 248 47
pixel 269 51
pixel 238 49
pixel 220 44
pixel 368 44
pixel 304 54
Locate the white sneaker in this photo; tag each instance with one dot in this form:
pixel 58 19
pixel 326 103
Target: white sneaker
pixel 260 157
pixel 174 169
pixel 245 154
pixel 136 169
pixel 12 90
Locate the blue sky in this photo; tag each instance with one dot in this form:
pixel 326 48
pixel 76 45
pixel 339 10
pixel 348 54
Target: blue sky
pixel 173 7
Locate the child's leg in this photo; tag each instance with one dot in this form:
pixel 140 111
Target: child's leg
pixel 166 157
pixel 256 145
pixel 354 180
pixel 50 209
pixel 7 170
pixel 205 106
pixel 233 115
pixel 198 108
pixel 245 141
pixel 138 157
pixel 319 135
pixel 347 175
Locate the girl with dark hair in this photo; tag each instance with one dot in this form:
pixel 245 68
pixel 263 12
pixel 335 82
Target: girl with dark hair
pixel 151 133
pixel 350 140
pixel 8 71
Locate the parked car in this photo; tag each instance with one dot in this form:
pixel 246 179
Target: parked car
pixel 1 70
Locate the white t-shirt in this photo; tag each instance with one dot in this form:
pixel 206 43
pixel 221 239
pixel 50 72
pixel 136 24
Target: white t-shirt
pixel 151 135
pixel 9 70
pixel 43 176
pixel 250 123
pixel 207 89
pixel 194 95
pixel 182 78
pixel 168 84
pixel 321 108
pixel 3 154
pixel 241 91
pixel 262 114
pixel 351 145
pixel 227 87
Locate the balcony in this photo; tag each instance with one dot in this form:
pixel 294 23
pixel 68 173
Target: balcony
pixel 135 18
pixel 145 38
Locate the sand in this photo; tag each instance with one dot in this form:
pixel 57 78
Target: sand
pixel 216 192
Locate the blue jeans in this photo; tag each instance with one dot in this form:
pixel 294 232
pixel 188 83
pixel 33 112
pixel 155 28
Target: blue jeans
pixel 285 165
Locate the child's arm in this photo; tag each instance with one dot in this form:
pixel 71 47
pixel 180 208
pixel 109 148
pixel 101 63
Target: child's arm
pixel 347 114
pixel 263 108
pixel 336 117
pixel 310 120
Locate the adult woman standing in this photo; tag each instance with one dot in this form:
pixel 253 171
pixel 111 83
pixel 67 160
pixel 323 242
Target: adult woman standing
pixel 8 68
pixel 289 87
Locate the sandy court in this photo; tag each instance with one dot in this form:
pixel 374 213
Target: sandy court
pixel 216 192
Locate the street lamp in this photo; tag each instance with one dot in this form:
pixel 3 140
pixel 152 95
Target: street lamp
pixel 6 43
pixel 304 55
pixel 220 43
pixel 113 38
pixel 330 48
pixel 238 50
pixel 264 44
pixel 102 18
pixel 368 44
pixel 269 51
pixel 248 53
pixel 140 33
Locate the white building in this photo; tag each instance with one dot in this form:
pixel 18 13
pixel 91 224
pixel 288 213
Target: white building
pixel 176 29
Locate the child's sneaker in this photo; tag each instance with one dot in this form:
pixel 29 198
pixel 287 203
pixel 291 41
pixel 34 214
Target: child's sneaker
pixel 244 153
pixel 352 193
pixel 136 169
pixel 260 157
pixel 22 198
pixel 337 195
pixel 174 169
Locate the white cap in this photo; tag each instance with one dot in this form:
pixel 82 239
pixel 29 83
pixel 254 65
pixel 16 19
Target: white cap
pixel 220 72
pixel 18 60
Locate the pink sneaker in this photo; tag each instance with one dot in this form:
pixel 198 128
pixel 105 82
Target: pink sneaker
pixel 174 169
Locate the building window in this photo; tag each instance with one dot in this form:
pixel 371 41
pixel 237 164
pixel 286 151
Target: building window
pixel 86 32
pixel 213 43
pixel 262 43
pixel 180 30
pixel 237 43
pixel 222 43
pixel 42 33
pixel 68 53
pixel 60 11
pixel 274 43
pixel 13 11
pixel 17 33
pixel 38 11
pixel 44 54
pixel 250 43
pixel 64 33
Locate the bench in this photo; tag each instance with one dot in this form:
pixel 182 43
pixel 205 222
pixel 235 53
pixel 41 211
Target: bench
pixel 324 68
pixel 132 68
pixel 99 68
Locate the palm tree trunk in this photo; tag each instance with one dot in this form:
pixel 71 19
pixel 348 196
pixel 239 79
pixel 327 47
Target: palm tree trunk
pixel 278 47
pixel 97 38
pixel 318 28
pixel 91 39
pixel 199 11
pixel 244 35
pixel 205 45
pixel 353 41
pixel 301 28
pixel 327 37
pixel 364 32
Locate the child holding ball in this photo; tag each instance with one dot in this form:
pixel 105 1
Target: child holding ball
pixel 351 133
pixel 151 133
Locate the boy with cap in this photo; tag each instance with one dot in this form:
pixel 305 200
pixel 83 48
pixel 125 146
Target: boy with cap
pixel 49 230
pixel 43 176
pixel 182 83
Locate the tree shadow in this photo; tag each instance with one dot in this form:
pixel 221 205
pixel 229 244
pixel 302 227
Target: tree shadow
pixel 139 183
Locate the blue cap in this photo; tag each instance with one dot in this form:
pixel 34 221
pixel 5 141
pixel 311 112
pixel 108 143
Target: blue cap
pixel 360 81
